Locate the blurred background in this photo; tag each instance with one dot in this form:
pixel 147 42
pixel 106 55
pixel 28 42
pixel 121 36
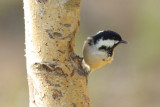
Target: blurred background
pixel 131 80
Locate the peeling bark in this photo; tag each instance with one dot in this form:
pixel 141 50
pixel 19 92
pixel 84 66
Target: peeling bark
pixel 55 75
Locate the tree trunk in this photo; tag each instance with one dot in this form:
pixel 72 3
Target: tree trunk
pixel 55 75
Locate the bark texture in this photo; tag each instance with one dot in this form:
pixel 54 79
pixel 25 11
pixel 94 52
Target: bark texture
pixel 55 75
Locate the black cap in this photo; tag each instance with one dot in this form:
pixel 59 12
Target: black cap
pixel 107 34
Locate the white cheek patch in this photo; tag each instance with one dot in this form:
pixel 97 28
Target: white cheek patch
pixel 116 42
pixel 108 43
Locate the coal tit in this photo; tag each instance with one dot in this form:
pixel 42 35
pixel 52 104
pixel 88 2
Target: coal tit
pixel 98 49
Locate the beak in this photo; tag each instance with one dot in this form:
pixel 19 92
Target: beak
pixel 123 41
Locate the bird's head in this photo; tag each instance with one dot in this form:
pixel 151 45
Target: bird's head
pixel 106 41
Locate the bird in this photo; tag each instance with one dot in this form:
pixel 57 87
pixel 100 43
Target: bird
pixel 98 49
